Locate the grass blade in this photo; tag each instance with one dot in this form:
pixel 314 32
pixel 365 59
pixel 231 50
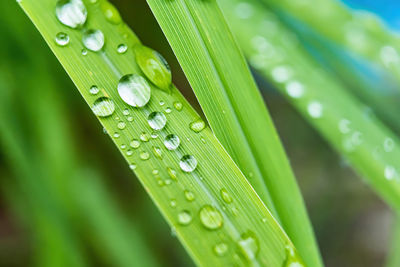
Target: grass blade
pixel 345 123
pixel 232 104
pixel 200 224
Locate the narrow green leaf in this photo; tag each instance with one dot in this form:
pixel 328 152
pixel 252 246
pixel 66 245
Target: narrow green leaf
pixel 244 228
pixel 232 104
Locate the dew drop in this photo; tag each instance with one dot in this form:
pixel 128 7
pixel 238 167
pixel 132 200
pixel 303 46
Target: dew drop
pixel 116 135
pixel 249 246
pixel 197 125
pixel 188 163
pixel 103 107
pixel 189 195
pixel 172 173
pixel 157 152
pixel 94 90
pixel 110 12
pixel 154 135
pixel 129 152
pixel 220 249
pixel 292 258
pixel 314 109
pixel 145 137
pixel 390 172
pixel 172 142
pixel 178 105
pixel 210 217
pixel 162 103
pixel 168 110
pixel 134 144
pixel 154 66
pixel 84 52
pixel 388 144
pixel 134 90
pixel 344 126
pixel 132 166
pixel 172 203
pixel 157 120
pixel 184 217
pixel 281 74
pixel 62 39
pixel 93 40
pixel 144 155
pixel 121 125
pixel 71 13
pixel 122 48
pixel 295 89
pixel 225 196
pixel 130 118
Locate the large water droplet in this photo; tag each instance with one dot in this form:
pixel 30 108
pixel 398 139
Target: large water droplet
pixel 157 120
pixel 211 218
pixel 93 40
pixel 220 249
pixel 172 142
pixel 134 90
pixel 154 66
pixel 71 13
pixel 103 107
pixel 197 125
pixel 188 163
pixel 249 246
pixel 62 39
pixel 184 217
pixel 110 12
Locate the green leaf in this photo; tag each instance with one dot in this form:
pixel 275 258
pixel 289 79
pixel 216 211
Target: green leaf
pixel 235 110
pixel 216 237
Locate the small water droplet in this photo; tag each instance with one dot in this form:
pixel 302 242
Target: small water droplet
pixel 292 258
pixel 145 137
pixel 110 12
pixel 197 125
pixel 157 152
pixel 189 195
pixel 188 163
pixel 157 120
pixel 132 166
pixel 203 140
pixel 162 103
pixel 225 196
pixel 121 125
pixel 122 48
pixel 178 105
pixel 220 249
pixel 154 135
pixel 134 143
pixel 94 90
pixel 172 142
pixel 134 90
pixel 71 13
pixel 388 144
pixel 123 146
pixel 93 40
pixel 172 203
pixel 130 118
pixel 281 74
pixel 168 110
pixel 172 173
pixel 103 107
pixel 154 66
pixel 249 246
pixel 155 172
pixel 116 135
pixel 184 217
pixel 314 108
pixel 62 39
pixel 144 155
pixel 129 152
pixel 344 126
pixel 390 172
pixel 295 89
pixel 84 52
pixel 210 217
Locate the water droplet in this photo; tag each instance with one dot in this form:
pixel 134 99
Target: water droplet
pixel 203 140
pixel 188 163
pixel 121 125
pixel 110 12
pixel 116 135
pixel 281 74
pixel 344 126
pixel 62 39
pixel 94 90
pixel 123 146
pixel 122 48
pixel 172 142
pixel 103 107
pixel 154 135
pixel 388 144
pixel 71 13
pixel 134 143
pixel 154 66
pixel 144 155
pixel 157 152
pixel 225 196
pixel 134 90
pixel 184 217
pixel 145 137
pixel 314 108
pixel 189 195
pixel 132 166
pixel 172 173
pixel 157 120
pixel 220 249
pixel 292 258
pixel 390 172
pixel 162 103
pixel 93 40
pixel 155 172
pixel 84 52
pixel 295 89
pixel 197 125
pixel 172 203
pixel 130 118
pixel 178 105
pixel 249 246
pixel 168 110
pixel 129 152
pixel 211 218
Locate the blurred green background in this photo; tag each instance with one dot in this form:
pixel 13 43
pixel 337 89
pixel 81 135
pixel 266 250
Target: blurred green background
pixel 68 199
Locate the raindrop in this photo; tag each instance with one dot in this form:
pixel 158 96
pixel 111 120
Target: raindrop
pixel 388 144
pixel 188 163
pixel 315 109
pixel 292 258
pixel 172 203
pixel 132 166
pixel 145 137
pixel 168 110
pixel 123 146
pixel 116 135
pixel 220 249
pixel 225 196
pixel 121 125
pixel 390 172
pixel 84 52
pixel 144 155
pixel 157 120
pixel 134 143
pixel 281 74
pixel 94 90
pixel 103 107
pixel 344 126
pixel 295 89
pixel 154 66
pixel 157 152
pixel 71 13
pixel 154 135
pixel 62 39
pixel 129 152
pixel 130 118
pixel 178 105
pixel 110 12
pixel 211 218
pixel 184 217
pixel 134 90
pixel 122 48
pixel 93 40
pixel 172 142
pixel 197 125
pixel 189 195
pixel 171 173
pixel 249 246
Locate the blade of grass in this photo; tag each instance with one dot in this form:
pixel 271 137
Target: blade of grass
pixel 346 124
pixel 235 110
pixel 200 224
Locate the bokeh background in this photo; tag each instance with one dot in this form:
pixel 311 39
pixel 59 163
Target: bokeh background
pixel 67 198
